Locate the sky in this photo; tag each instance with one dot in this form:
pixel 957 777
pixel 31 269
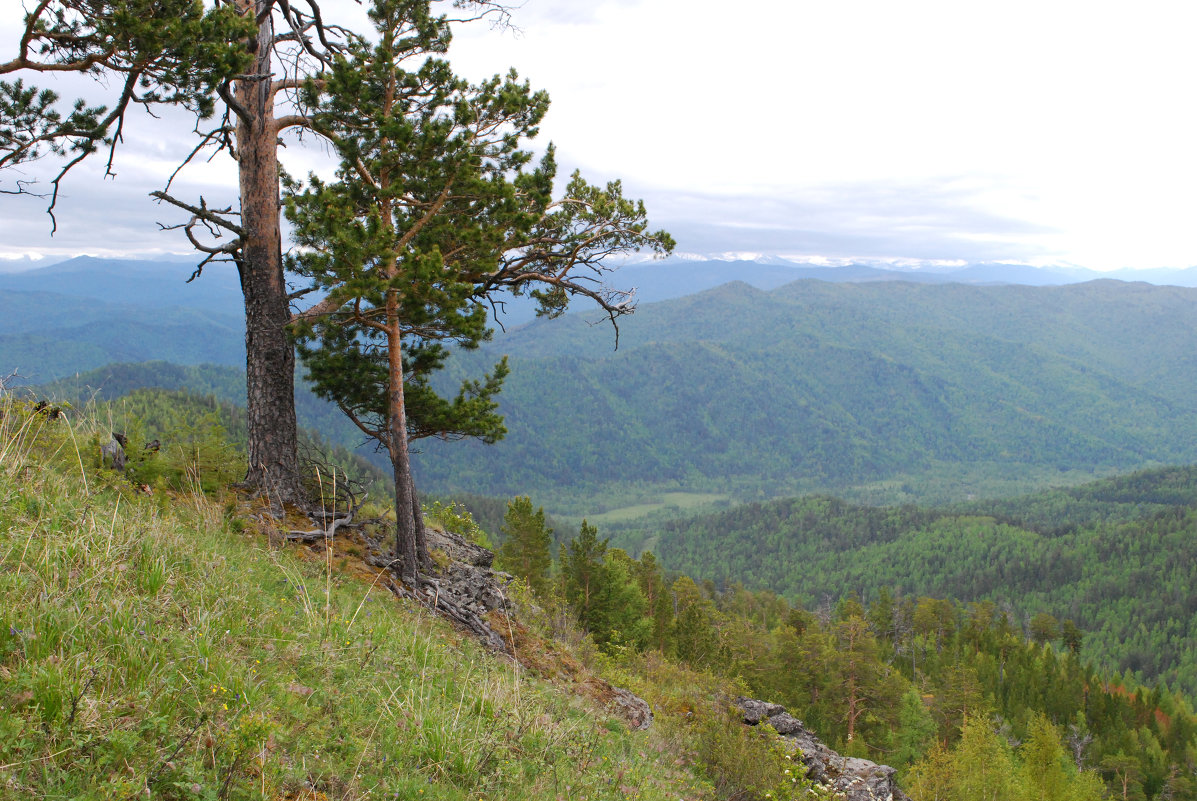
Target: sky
pixel 1048 132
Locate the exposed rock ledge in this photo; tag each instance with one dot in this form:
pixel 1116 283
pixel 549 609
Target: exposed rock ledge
pixel 467 589
pixel 856 779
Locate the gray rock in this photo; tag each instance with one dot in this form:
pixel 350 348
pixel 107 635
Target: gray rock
pixel 756 711
pixel 459 549
pixel 786 724
pixel 112 454
pixel 856 779
pixel 632 708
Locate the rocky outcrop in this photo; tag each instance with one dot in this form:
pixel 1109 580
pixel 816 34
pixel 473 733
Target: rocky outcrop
pixel 856 779
pixel 463 586
pixel 466 588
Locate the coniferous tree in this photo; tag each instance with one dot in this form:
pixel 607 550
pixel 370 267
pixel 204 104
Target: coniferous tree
pixel 619 615
pixel 916 729
pixel 1044 628
pixel 582 573
pixel 161 52
pixel 656 596
pixel 433 211
pixel 526 550
pixel 694 637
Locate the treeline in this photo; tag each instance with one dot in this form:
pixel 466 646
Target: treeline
pixel 924 684
pixel 186 440
pixel 1116 556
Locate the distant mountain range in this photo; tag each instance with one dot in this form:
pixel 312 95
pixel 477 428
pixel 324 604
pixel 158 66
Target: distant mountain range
pixel 81 314
pixel 915 390
pixel 925 388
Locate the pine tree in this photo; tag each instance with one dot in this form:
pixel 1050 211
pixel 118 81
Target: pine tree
pixel 694 637
pixel 526 550
pixel 916 729
pixel 433 211
pixel 582 573
pixel 619 614
pixel 656 595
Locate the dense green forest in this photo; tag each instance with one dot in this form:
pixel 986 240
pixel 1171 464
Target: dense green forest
pixel 949 692
pixel 881 393
pixel 1116 556
pixel 885 392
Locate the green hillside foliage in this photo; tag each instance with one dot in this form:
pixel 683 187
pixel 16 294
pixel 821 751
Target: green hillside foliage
pixel 225 383
pixel 1115 556
pixel 898 391
pixel 154 645
pixel 159 394
pixel 118 379
pixel 883 393
pixel 185 336
pixel 955 695
pixel 156 640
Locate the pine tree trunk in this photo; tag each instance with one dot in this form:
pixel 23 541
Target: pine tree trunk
pixel 270 356
pixel 421 536
pixel 410 546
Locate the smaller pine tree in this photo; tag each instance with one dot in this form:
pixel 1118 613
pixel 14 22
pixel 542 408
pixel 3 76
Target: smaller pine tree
pixel 525 551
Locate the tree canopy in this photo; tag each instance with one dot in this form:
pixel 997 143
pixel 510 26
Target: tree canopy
pixel 435 209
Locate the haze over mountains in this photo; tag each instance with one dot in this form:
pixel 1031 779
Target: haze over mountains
pixel 888 390
pixel 817 385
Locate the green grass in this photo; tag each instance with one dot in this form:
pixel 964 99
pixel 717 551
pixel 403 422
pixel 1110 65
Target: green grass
pixel 152 646
pixel 677 502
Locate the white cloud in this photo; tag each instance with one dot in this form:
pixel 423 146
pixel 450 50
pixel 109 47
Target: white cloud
pixel 1044 132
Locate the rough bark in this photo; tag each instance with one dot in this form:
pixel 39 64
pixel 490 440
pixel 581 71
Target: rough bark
pixel 419 534
pixel 270 356
pixel 409 539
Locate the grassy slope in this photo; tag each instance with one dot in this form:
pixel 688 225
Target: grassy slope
pixel 155 642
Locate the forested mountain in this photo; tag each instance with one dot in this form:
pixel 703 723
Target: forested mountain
pixel 943 388
pixel 879 391
pixel 227 384
pixel 85 313
pixel 1117 556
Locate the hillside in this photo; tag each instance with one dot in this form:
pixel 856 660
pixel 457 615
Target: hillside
pixel 1116 556
pixel 890 391
pixel 227 384
pixel 881 392
pixel 162 645
pixel 189 644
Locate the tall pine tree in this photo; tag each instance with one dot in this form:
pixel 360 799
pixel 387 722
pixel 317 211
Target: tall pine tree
pixel 433 210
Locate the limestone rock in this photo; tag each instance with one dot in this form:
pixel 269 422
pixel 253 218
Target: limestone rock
pixel 856 779
pixel 756 711
pixel 632 708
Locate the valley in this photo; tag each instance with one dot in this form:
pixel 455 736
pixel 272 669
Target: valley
pixel 960 475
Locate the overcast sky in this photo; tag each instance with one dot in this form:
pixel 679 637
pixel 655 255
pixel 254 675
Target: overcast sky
pixel 1043 132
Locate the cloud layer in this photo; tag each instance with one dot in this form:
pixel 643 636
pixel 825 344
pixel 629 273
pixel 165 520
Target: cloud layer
pixel 927 130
